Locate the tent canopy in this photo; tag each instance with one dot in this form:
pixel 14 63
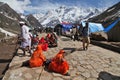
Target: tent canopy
pixel 66 27
pixel 94 27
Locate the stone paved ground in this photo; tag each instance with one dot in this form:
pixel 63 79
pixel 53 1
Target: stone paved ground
pixel 84 65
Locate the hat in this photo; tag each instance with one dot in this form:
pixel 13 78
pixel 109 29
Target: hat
pixel 21 22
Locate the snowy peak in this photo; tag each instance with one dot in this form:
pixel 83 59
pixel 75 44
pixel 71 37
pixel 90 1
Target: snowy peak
pixel 69 14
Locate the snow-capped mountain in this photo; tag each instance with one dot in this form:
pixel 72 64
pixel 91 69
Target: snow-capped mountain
pixel 69 14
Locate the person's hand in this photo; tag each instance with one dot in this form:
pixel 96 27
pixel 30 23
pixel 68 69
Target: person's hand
pixel 21 39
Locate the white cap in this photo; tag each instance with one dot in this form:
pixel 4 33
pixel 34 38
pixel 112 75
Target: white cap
pixel 21 22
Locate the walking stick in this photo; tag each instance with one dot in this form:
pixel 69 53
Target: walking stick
pixel 41 72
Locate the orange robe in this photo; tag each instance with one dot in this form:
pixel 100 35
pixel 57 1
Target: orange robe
pixel 58 64
pixel 37 58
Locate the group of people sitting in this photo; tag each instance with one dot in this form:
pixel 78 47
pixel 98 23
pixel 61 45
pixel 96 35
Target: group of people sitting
pixel 56 64
pixel 49 41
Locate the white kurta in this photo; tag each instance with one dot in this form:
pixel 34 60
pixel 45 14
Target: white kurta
pixel 26 36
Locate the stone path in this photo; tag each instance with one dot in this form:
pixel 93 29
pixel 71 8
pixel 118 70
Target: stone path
pixel 84 65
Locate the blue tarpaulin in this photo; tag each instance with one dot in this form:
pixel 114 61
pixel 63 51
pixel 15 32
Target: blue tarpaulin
pixel 94 27
pixel 108 28
pixel 66 27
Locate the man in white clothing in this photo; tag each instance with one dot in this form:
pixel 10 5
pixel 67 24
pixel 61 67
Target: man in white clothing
pixel 26 39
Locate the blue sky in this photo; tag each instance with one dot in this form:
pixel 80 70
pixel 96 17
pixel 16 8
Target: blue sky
pixel 36 6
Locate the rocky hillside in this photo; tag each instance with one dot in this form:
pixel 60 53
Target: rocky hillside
pixel 9 24
pixel 9 12
pixel 9 19
pixel 33 21
pixel 107 18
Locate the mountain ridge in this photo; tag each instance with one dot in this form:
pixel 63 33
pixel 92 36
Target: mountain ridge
pixel 70 14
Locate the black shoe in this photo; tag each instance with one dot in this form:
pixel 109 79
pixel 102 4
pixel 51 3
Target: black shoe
pixel 23 54
pixel 67 74
pixel 30 52
pixel 86 48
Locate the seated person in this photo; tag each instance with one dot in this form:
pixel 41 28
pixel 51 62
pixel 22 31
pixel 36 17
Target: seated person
pixel 47 37
pixel 37 58
pixel 52 40
pixel 35 41
pixel 59 64
pixel 44 44
pixel 55 36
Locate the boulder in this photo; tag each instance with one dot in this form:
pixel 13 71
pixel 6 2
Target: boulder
pixel 99 36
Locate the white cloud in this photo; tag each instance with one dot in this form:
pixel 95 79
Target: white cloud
pixel 48 6
pixel 25 5
pixel 19 6
pixel 42 5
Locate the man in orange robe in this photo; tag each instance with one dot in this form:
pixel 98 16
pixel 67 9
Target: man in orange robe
pixel 37 58
pixel 59 64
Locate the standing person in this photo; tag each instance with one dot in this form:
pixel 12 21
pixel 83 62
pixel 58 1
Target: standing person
pixel 80 29
pixel 35 41
pixel 86 38
pixel 30 41
pixel 26 39
pixel 74 33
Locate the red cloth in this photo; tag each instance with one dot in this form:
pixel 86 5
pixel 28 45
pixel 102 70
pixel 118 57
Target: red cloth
pixel 58 64
pixel 44 44
pixel 37 58
pixel 42 40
